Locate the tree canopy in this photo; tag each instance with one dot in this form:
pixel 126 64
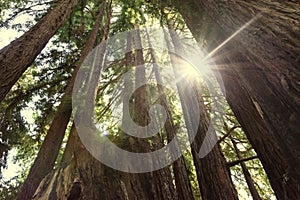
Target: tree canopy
pixel 86 78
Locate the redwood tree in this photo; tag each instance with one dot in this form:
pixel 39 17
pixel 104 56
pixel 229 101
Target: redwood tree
pixel 16 57
pixel 156 184
pixel 211 168
pixel 208 32
pixel 268 51
pixel 50 148
pixel 80 176
pixel 182 182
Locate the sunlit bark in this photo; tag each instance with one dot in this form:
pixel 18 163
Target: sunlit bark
pixel 212 168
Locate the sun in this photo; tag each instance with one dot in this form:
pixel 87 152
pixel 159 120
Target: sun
pixel 193 69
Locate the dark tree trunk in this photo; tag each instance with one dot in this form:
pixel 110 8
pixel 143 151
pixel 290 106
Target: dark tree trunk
pixel 255 128
pixel 268 51
pixel 248 114
pixel 182 182
pixel 19 55
pixel 49 150
pixel 212 168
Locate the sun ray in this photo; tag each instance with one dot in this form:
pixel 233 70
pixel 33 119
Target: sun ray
pixel 233 35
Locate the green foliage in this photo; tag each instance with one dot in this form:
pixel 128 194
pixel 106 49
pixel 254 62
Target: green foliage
pixel 28 109
pixel 41 87
pixel 9 189
pixel 254 166
pixel 13 9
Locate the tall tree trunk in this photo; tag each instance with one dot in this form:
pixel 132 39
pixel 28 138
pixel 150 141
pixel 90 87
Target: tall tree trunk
pixel 81 176
pixel 246 173
pixel 266 147
pixel 182 182
pixel 16 57
pixel 260 136
pixel 212 168
pixel 137 188
pixel 271 155
pixel 269 50
pixel 140 95
pixel 156 184
pixel 49 150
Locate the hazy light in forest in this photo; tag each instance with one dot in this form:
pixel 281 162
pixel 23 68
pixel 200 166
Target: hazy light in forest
pixel 191 72
pixel 188 69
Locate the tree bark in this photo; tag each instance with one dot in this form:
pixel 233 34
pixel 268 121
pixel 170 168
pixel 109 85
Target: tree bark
pixel 80 176
pixel 241 102
pixel 271 155
pixel 269 49
pixel 49 150
pixel 83 177
pixel 212 168
pixel 182 182
pixel 156 184
pixel 16 57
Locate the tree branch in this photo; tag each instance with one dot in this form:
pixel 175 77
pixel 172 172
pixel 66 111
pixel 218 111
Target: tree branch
pixel 236 162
